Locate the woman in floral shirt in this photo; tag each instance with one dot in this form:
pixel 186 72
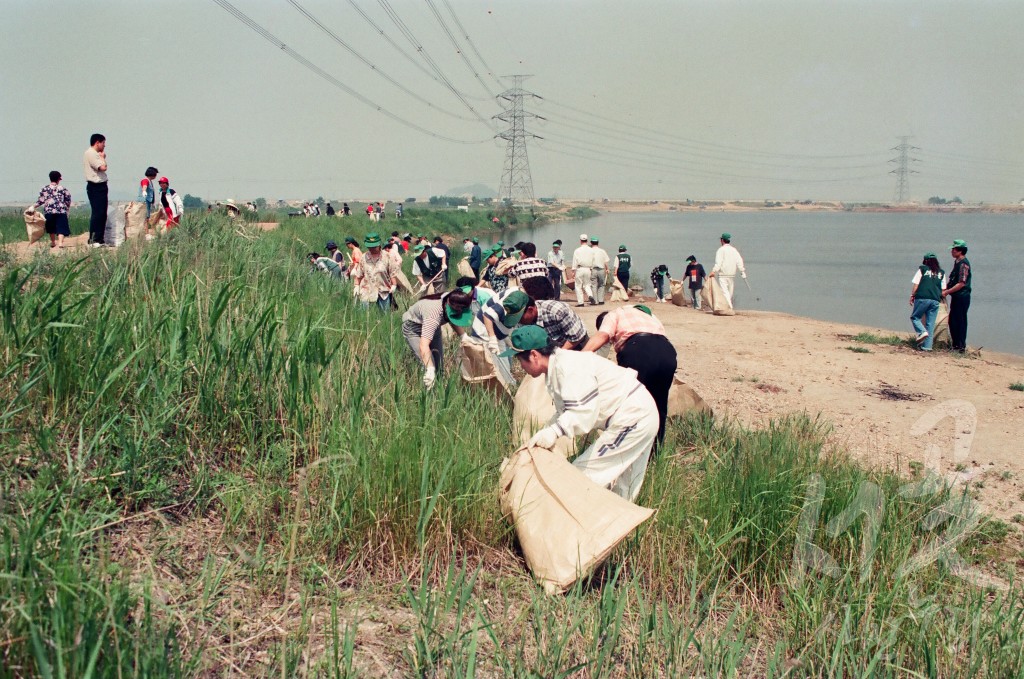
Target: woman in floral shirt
pixel 55 200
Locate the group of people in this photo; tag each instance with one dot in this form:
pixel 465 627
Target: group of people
pixel 931 288
pixel 376 212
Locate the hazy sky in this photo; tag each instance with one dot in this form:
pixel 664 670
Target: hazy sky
pixel 673 99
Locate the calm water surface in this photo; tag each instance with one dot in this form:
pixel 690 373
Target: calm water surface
pixel 834 266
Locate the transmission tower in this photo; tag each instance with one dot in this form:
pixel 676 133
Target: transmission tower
pixel 516 182
pixel 903 170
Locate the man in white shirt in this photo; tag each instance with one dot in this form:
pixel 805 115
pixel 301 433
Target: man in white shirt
pixel 599 272
pixel 556 265
pixel 727 263
pixel 591 393
pixel 582 263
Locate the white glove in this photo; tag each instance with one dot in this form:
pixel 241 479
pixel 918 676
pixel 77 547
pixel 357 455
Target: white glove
pixel 391 290
pixel 492 346
pixel 545 438
pixel 429 378
pixel 444 268
pixel 743 275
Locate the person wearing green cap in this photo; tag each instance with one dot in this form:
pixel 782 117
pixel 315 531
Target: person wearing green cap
pixel 590 393
pixel 599 273
pixel 493 259
pixel 475 258
pixel 556 268
pixel 694 276
pixel 421 327
pixel 623 261
pixel 583 266
pixel 429 266
pixel 375 276
pixel 925 299
pixel 958 290
pixel 659 279
pixel 727 263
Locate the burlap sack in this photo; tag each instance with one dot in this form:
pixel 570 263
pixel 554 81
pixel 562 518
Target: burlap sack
pixel 678 292
pixel 713 299
pixel 464 268
pixel 35 224
pixel 533 409
pixel 477 366
pixel 570 279
pixel 683 400
pixel 134 220
pixel 619 293
pixel 566 524
pixel 404 284
pixel 941 338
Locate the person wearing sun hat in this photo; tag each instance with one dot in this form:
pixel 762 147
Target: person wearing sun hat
pixel 727 262
pixel 958 290
pixel 499 316
pixel 375 276
pixel 421 327
pixel 591 393
pixel 429 266
pixel 925 297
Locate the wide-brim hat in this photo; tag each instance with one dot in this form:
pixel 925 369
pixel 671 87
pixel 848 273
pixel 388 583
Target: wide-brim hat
pixel 419 248
pixel 526 338
pixel 372 240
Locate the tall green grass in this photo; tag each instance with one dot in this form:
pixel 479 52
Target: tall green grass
pixel 213 374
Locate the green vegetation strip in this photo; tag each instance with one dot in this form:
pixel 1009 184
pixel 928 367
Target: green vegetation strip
pixel 216 462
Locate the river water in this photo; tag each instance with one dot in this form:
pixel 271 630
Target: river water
pixel 852 267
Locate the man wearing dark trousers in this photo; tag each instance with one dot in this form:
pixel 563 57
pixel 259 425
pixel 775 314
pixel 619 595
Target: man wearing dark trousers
pixel 640 343
pixel 958 290
pixel 95 164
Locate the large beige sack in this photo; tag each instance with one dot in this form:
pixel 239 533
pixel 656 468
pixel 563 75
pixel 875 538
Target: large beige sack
pixel 569 279
pixel 678 292
pixel 35 224
pixel 713 299
pixel 403 283
pixel 619 293
pixel 464 268
pixel 683 400
pixel 532 411
pixel 134 219
pixel 566 524
pixel 940 337
pixel 477 366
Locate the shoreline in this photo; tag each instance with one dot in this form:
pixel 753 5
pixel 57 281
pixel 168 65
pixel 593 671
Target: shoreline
pixel 782 206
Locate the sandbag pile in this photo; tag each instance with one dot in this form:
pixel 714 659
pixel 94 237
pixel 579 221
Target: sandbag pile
pixel 533 410
pixel 713 299
pixel 566 524
pixel 35 224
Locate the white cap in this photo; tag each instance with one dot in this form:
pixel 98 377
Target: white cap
pixel 583 236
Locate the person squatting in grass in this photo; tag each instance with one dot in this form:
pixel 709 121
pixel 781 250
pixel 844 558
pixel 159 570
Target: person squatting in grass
pixel 640 344
pixel 421 327
pixel 925 298
pixel 171 203
pixel 375 276
pixel 325 264
pixel 590 392
pixel 56 201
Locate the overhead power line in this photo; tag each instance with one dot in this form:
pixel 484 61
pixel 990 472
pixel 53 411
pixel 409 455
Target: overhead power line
pixel 472 45
pixel 276 42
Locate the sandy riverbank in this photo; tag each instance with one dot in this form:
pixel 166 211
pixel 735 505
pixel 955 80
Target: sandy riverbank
pixel 759 365
pixel 788 206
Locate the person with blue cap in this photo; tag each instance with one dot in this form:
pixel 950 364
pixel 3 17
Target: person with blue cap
pixel 592 393
pixel 727 263
pixel 958 290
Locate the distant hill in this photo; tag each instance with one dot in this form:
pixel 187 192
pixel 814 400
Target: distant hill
pixel 478 190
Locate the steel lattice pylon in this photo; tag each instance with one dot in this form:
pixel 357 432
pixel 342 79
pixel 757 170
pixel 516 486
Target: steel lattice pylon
pixel 903 170
pixel 516 182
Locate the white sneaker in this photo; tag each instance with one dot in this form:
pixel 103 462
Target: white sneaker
pixel 150 236
pixel 923 336
pixel 95 245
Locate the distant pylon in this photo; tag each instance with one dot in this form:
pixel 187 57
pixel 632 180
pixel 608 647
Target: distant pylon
pixel 903 170
pixel 516 182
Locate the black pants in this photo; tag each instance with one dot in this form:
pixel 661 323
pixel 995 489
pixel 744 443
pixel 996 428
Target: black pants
pixel 97 192
pixel 654 359
pixel 555 278
pixel 623 277
pixel 958 306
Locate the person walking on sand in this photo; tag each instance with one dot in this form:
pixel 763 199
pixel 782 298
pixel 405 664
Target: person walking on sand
pixel 582 265
pixel 727 262
pixel 599 273
pixel 958 290
pixel 556 265
pixel 56 201
pixel 623 261
pixel 94 161
pixel 375 277
pixel 659 276
pixel 694 276
pixel 925 298
pixel 591 393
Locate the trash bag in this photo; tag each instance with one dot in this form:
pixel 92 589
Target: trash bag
pixel 35 224
pixel 619 293
pixel 464 268
pixel 478 366
pixel 533 410
pixel 712 298
pixel 113 235
pixel 940 337
pixel 678 292
pixel 683 400
pixel 404 284
pixel 134 220
pixel 566 524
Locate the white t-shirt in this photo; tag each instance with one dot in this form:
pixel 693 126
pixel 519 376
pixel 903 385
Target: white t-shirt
pixel 92 161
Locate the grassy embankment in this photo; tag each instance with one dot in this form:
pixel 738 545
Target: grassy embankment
pixel 215 462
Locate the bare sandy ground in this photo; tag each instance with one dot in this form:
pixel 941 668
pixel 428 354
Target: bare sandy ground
pixel 894 407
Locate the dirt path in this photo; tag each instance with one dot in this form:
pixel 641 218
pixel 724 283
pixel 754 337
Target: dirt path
pixel 893 407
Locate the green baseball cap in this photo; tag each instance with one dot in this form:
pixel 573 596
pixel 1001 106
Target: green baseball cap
pixel 962 245
pixel 727 236
pixel 595 239
pixel 691 258
pixel 461 319
pixel 476 241
pixel 645 309
pixel 419 248
pixel 500 243
pixel 526 338
pixel 372 240
pixel 622 247
pixel 930 255
pixel 515 306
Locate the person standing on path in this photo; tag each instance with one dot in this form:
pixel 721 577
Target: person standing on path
pixel 641 344
pixel 599 274
pixel 958 290
pixel 925 298
pixel 582 264
pixel 56 201
pixel 694 276
pixel 623 261
pixel 556 265
pixel 590 392
pixel 94 162
pixel 659 276
pixel 375 276
pixel 727 262
pixel 475 258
